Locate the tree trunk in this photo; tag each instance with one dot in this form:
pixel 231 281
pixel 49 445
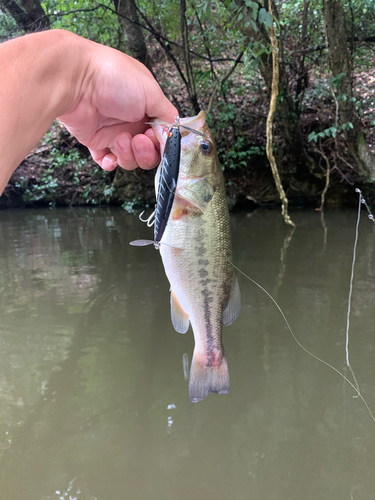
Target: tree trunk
pixel 292 154
pixel 341 68
pixel 30 18
pixel 134 39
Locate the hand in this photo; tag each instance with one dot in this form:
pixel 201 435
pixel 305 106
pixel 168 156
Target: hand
pixel 118 97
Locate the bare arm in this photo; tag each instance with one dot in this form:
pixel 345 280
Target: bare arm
pixel 102 96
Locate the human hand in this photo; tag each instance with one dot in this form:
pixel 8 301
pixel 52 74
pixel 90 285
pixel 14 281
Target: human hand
pixel 117 98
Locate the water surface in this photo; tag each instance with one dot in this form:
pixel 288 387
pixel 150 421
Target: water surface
pixel 93 400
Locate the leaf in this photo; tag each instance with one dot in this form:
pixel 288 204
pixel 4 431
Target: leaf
pixel 312 137
pixel 261 51
pixel 268 19
pixel 262 15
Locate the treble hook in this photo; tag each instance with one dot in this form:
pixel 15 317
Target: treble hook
pixel 150 221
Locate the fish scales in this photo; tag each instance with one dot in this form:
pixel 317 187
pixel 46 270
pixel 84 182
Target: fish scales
pixel 196 255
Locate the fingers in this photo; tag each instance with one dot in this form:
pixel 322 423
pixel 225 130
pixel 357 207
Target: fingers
pixel 145 152
pixel 129 152
pixel 137 151
pixel 104 158
pixel 109 162
pixel 124 152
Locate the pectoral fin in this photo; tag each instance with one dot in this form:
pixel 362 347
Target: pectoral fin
pixel 233 307
pixel 197 192
pixel 180 319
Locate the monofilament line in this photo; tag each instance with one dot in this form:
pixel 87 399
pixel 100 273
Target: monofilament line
pixel 299 343
pixel 363 201
pixel 351 290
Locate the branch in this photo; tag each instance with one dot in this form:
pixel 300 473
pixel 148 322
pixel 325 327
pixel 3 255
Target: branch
pixel 157 35
pixel 168 51
pixel 322 198
pixel 205 41
pixel 322 46
pixel 18 14
pixel 221 82
pixel 27 21
pixel 274 94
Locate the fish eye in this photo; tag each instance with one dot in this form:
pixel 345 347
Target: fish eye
pixel 205 147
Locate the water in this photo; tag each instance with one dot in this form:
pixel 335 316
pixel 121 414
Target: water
pixel 93 399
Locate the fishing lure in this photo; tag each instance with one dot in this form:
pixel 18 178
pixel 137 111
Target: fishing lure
pixel 169 170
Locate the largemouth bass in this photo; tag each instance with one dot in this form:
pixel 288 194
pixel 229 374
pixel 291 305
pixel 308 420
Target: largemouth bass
pixel 197 254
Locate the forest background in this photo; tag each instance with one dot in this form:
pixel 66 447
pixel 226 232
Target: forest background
pixel 217 56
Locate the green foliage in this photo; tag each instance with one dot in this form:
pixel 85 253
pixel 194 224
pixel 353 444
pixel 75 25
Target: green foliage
pixel 336 80
pixel 133 206
pixel 217 33
pixel 240 154
pixel 329 132
pixel 8 27
pixel 45 188
pixel 88 18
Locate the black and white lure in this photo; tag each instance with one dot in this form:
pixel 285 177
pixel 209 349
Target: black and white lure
pixel 169 169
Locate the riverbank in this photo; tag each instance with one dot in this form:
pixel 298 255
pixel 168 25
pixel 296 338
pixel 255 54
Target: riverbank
pixel 61 172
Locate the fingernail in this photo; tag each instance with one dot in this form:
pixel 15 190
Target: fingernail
pixel 108 164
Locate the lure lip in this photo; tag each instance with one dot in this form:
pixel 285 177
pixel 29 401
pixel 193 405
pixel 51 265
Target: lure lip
pixel 168 126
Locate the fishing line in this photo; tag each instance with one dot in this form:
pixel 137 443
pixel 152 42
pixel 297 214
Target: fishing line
pixel 351 291
pixel 363 201
pixel 298 342
pixel 356 388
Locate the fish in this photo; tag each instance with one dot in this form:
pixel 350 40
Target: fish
pixel 196 252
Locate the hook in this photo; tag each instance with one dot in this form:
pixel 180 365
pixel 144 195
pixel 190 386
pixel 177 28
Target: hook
pixel 150 221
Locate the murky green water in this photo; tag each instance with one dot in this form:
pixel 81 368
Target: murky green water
pixel 93 400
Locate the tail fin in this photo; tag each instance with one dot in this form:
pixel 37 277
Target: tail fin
pixel 205 378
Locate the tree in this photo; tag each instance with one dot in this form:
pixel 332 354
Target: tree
pixel 342 70
pixel 134 39
pixel 30 17
pixel 253 25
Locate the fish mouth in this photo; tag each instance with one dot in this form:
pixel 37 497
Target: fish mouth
pixel 193 122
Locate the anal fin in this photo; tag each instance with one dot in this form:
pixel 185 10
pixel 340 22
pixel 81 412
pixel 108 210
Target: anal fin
pixel 233 307
pixel 180 319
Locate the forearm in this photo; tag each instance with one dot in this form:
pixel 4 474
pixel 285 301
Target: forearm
pixel 37 73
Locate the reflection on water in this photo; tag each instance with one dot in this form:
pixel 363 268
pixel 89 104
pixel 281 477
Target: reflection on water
pixel 93 399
